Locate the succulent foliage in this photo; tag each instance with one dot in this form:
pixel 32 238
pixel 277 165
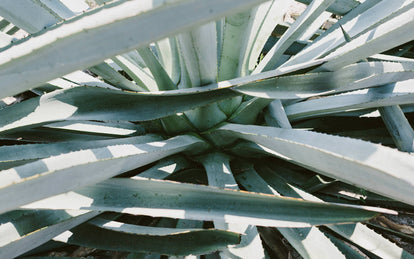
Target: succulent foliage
pixel 156 128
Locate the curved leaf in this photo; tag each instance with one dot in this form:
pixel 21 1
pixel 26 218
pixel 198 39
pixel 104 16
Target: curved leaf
pixel 350 160
pixel 62 173
pixel 186 201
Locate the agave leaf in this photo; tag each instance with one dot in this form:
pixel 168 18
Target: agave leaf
pixel 164 168
pixel 141 76
pixel 117 236
pixel 92 103
pixel 82 35
pixel 340 7
pixel 160 75
pixel 309 242
pixel 29 15
pixel 167 52
pixel 219 174
pixel 275 115
pixel 369 15
pixel 298 28
pixel 114 78
pixel 352 77
pixel 22 154
pixel 66 172
pixel 387 166
pixel 249 110
pixel 399 127
pixel 376 40
pixel 234 31
pixel 82 78
pixel 22 231
pixel 393 94
pixel 199 51
pixel 206 117
pixel 186 201
pixel 263 20
pixel 357 233
pixel 105 128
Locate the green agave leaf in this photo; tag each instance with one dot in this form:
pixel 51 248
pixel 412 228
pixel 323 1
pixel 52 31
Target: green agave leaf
pixel 263 20
pixel 309 242
pixel 117 236
pixel 11 156
pixel 33 181
pixel 298 28
pixel 92 103
pixel 352 77
pixel 168 56
pixel 140 75
pixel 164 168
pixel 275 115
pixel 106 26
pixel 356 233
pixel 22 231
pixel 393 94
pixel 340 7
pixel 399 127
pixel 350 160
pixel 104 128
pixel 19 13
pixel 199 51
pixel 369 15
pixel 161 77
pixel 177 124
pixel 235 28
pixel 206 117
pixel 44 135
pixel 186 201
pixel 388 34
pixel 114 78
pixel 219 174
pixel 248 111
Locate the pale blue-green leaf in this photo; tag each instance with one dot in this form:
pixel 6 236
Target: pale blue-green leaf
pixel 352 77
pixel 357 233
pixel 248 111
pixel 33 181
pixel 21 154
pixel 176 124
pixel 350 160
pixel 92 103
pixel 368 15
pixel 275 115
pixel 398 126
pixel 118 236
pixel 298 28
pixel 234 31
pixel 309 242
pixel 263 20
pixel 165 167
pixel 93 127
pixel 393 94
pixel 206 117
pixel 167 52
pixel 34 228
pixel 340 7
pixel 141 76
pixel 31 16
pixel 198 49
pixel 114 78
pixel 106 27
pixel 187 201
pixel 161 77
pixel 82 78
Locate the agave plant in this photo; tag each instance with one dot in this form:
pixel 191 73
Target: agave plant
pixel 207 128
